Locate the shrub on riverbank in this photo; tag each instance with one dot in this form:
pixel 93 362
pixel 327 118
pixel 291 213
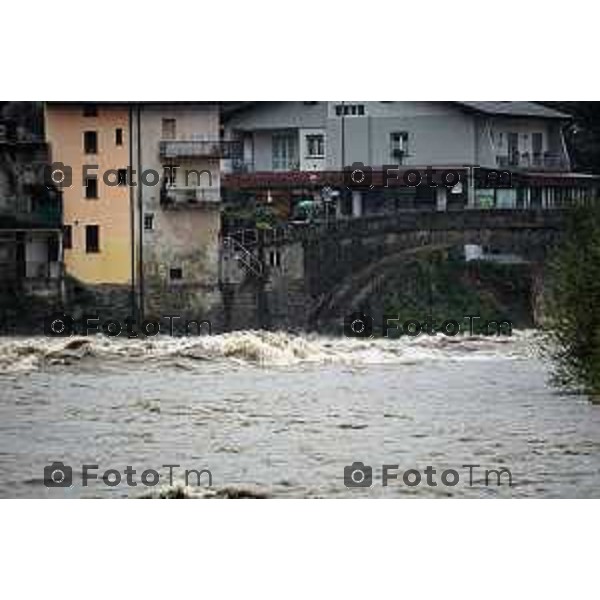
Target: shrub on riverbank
pixel 573 326
pixel 448 288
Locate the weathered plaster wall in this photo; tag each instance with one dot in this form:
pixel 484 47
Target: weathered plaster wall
pixel 65 127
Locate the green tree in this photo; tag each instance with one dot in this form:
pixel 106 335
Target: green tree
pixel 582 133
pixel 573 324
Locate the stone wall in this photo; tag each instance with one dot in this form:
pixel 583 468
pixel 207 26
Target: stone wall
pixel 314 275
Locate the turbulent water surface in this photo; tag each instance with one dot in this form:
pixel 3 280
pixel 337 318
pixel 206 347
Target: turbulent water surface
pixel 273 414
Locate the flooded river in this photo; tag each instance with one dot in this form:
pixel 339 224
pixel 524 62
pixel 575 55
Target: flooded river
pixel 278 415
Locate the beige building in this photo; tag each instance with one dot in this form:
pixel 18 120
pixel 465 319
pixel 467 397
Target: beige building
pixel 92 141
pixel 146 215
pixel 180 216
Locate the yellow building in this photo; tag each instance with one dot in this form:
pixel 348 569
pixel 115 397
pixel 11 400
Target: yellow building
pixel 97 210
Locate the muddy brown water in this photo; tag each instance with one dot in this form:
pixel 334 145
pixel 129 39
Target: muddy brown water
pixel 278 415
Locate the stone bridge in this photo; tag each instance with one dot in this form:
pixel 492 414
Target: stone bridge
pixel 308 275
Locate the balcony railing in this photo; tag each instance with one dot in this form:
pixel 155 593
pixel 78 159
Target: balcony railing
pixel 525 160
pixel 199 149
pixel 31 213
pixel 190 197
pixel 239 165
pixel 12 133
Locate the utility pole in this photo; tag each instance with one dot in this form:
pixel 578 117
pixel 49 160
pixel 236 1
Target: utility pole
pixel 133 295
pixel 140 200
pixel 343 135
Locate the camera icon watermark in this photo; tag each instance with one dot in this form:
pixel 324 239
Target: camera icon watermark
pixel 358 475
pixel 58 175
pixel 58 325
pixel 58 475
pixel 358 177
pixel 358 325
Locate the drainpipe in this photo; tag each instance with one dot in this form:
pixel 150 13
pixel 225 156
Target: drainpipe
pixel 61 267
pixel 140 216
pixel 343 138
pixel 132 300
pixel 471 192
pixel 564 149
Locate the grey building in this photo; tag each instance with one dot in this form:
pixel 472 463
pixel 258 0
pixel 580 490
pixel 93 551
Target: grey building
pixel 30 213
pixel 321 138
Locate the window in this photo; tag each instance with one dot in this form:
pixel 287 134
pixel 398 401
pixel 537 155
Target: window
pixel 90 142
pixel 149 221
pixel 67 237
pixel 350 110
pixel 399 144
pixel 275 258
pixel 90 110
pixel 170 174
pixel 92 238
pixel 122 176
pixel 175 273
pixel 315 145
pixel 91 188
pixel 53 249
pixel 169 129
pixel 119 136
pixel 285 152
pixel 537 143
pixel 513 148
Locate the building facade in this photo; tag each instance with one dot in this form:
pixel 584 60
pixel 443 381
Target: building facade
pixel 308 144
pixel 30 212
pixel 87 141
pixel 179 215
pixel 142 183
pixel 141 199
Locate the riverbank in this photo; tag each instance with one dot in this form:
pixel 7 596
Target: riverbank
pixel 438 286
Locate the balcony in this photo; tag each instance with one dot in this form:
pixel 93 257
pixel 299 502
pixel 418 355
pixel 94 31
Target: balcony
pixel 13 134
pixel 189 197
pixel 43 211
pixel 525 160
pixel 200 149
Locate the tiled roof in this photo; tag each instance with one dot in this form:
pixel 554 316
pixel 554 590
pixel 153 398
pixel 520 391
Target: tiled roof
pixel 517 109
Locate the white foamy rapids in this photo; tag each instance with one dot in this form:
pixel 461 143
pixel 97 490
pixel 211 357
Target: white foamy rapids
pixel 263 348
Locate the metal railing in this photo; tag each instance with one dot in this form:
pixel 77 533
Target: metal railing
pixel 176 197
pixel 12 133
pixel 32 269
pixel 237 251
pixel 526 160
pixel 199 149
pixel 26 212
pixel 268 236
pixel 405 221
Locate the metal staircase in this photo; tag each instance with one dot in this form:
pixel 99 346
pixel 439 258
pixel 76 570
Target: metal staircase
pixel 232 249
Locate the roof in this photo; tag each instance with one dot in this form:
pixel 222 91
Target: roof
pixel 508 108
pixel 516 109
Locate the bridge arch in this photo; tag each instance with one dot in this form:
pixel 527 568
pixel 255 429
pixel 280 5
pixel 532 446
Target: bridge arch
pixel 351 293
pixel 329 267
